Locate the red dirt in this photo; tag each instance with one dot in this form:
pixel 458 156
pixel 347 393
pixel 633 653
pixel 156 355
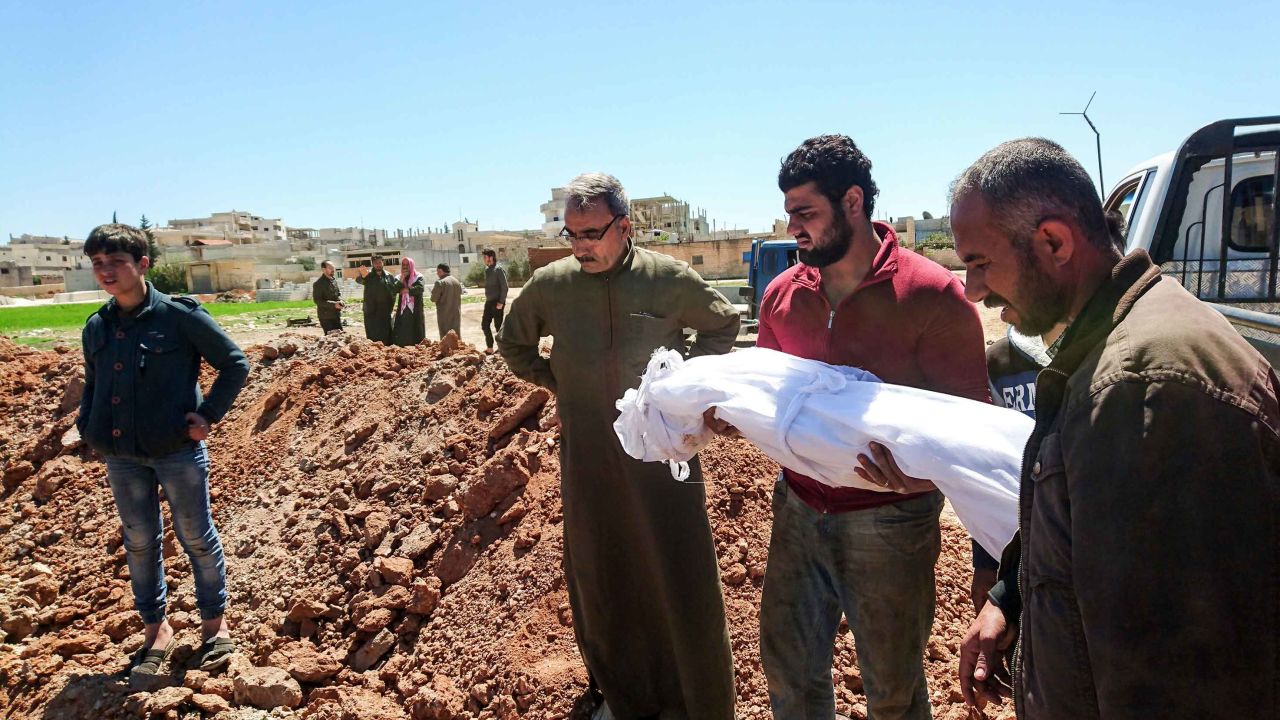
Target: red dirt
pixel 393 536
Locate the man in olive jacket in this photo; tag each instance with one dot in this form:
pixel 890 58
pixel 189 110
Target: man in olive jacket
pixel 1144 581
pixel 640 562
pixel 447 296
pixel 327 296
pixel 379 297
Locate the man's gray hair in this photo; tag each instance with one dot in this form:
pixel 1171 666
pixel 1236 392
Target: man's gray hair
pixel 1025 181
pixel 584 191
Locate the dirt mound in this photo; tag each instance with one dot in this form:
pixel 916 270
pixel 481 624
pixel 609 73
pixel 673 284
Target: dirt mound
pixel 392 526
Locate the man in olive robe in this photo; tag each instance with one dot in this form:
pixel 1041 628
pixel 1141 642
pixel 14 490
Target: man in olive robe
pixel 639 558
pixel 447 296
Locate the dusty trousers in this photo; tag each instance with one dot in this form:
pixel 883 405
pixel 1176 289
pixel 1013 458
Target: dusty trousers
pixel 875 567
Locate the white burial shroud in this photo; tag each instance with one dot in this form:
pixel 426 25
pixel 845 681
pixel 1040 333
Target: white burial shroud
pixel 814 418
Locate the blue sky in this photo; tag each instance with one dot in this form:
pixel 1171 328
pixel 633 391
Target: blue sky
pixel 399 115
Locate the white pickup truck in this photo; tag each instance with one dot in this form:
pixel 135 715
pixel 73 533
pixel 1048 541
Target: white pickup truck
pixel 1207 215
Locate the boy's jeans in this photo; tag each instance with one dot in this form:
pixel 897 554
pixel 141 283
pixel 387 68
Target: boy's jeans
pixel 184 476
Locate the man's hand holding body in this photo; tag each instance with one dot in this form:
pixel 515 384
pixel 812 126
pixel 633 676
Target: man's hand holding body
pixel 883 470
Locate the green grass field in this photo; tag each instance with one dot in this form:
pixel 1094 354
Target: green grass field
pixel 45 325
pixel 14 319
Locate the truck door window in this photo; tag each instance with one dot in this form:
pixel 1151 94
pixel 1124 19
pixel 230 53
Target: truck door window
pixel 1122 199
pixel 1252 203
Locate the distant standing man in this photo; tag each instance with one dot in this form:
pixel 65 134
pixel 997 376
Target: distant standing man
pixel 857 299
pixel 328 299
pixel 447 296
pixel 1144 580
pixel 495 297
pixel 639 558
pixel 143 412
pixel 379 298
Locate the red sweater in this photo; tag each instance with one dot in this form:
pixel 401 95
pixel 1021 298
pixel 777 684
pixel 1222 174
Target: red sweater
pixel 908 322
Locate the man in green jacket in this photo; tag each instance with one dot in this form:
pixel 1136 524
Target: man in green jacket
pixel 1144 581
pixel 640 562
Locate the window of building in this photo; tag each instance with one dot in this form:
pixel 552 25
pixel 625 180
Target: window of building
pixel 697 259
pixel 4 271
pixel 1252 203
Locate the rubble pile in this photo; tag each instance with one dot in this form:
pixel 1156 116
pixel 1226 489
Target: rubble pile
pixel 392 528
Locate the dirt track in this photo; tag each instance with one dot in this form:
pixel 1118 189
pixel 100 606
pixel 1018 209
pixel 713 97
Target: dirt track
pixel 393 538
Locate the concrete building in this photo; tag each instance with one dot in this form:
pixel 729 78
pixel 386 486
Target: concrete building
pixel 348 237
pixel 46 259
pixel 465 238
pixel 14 275
pixel 220 275
pixel 79 281
pixel 656 216
pixel 168 237
pixel 712 259
pixel 911 232
pixel 28 239
pixel 553 213
pixel 238 227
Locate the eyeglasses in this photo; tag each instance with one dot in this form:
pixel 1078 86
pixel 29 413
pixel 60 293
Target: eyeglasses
pixel 589 235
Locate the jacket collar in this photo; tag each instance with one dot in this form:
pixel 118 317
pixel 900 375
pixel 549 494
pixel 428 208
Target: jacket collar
pixel 622 265
pixel 111 311
pixel 883 266
pixel 1133 276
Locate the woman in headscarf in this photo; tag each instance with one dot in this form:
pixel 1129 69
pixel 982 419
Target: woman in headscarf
pixel 409 325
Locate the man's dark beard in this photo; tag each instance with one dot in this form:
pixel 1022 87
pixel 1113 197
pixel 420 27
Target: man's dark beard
pixel 838 238
pixel 1043 302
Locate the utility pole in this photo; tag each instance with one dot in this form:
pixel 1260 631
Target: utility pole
pixel 1102 188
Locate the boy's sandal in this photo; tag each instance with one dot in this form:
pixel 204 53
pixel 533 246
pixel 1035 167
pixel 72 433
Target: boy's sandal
pixel 148 662
pixel 215 653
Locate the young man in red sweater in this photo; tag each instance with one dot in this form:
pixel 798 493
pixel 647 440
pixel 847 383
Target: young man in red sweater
pixel 858 299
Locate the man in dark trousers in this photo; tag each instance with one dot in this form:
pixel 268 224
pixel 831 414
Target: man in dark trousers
pixel 328 299
pixel 142 411
pixel 857 299
pixel 447 296
pixel 1144 581
pixel 495 297
pixel 379 297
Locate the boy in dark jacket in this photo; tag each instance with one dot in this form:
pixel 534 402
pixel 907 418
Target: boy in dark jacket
pixel 142 411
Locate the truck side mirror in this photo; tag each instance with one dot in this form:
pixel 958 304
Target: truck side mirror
pixel 747 292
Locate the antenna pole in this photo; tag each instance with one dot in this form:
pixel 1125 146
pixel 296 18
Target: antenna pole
pixel 1102 187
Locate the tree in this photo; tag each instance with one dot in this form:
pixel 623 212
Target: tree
pixel 113 218
pixel 936 241
pixel 168 277
pixel 153 250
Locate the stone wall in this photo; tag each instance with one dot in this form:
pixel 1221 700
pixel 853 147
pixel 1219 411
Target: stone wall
pixel 712 259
